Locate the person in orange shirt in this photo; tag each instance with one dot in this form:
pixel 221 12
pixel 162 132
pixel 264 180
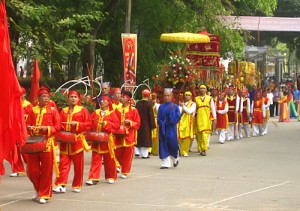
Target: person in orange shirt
pixel 75 119
pixel 43 120
pixel 104 120
pixel 17 165
pixel 130 118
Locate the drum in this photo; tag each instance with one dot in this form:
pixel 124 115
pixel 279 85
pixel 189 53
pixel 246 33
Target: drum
pixel 65 137
pixel 34 144
pixel 122 132
pixel 97 137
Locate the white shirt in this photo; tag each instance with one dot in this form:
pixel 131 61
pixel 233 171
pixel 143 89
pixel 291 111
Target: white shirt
pixel 270 96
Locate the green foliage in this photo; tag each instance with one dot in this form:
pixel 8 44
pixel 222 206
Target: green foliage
pixel 60 32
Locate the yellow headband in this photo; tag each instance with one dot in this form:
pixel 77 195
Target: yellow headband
pixel 202 87
pixel 188 93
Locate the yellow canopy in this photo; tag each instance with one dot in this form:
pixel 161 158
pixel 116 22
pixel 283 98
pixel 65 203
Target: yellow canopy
pixel 184 37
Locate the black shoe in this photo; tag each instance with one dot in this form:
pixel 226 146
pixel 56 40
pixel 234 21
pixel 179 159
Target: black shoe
pixel 176 164
pixel 137 155
pixel 164 167
pixel 146 157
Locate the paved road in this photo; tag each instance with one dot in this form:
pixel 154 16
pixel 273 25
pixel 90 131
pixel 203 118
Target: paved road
pixel 261 173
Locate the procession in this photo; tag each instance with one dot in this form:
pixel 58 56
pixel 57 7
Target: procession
pixel 84 111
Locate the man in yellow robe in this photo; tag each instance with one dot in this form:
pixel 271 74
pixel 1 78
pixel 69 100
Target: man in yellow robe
pixel 204 108
pixel 185 127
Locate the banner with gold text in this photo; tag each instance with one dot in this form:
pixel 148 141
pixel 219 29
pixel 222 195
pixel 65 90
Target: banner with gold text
pixel 129 44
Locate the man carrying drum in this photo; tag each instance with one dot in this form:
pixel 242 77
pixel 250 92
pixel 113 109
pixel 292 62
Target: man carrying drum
pixel 43 120
pixel 105 121
pixel 75 120
pixel 130 120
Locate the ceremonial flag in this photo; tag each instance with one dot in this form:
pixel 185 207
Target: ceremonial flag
pixel 129 43
pixel 12 124
pixel 35 86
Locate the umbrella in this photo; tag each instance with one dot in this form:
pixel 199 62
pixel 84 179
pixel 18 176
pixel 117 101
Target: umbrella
pixel 184 37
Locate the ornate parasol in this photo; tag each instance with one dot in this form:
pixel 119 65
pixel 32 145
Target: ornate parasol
pixel 184 37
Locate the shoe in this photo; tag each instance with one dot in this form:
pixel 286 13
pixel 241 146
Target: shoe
pixel 35 197
pixel 76 190
pixel 118 169
pixel 185 155
pixel 91 182
pixel 176 164
pixel 59 189
pixel 137 155
pixel 146 157
pixel 111 181
pixel 123 176
pixel 203 153
pixel 164 167
pixel 42 201
pixel 15 174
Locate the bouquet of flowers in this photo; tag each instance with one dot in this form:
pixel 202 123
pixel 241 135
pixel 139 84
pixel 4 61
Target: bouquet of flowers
pixel 178 71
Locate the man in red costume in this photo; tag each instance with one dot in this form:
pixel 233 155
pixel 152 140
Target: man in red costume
pixel 75 119
pixel 104 120
pixel 116 99
pixel 129 118
pixel 17 165
pixel 43 120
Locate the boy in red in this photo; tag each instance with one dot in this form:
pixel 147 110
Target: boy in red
pixel 104 120
pixel 129 117
pixel 258 114
pixel 222 118
pixel 43 120
pixel 75 119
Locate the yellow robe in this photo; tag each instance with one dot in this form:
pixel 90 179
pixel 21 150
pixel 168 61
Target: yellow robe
pixel 186 129
pixel 203 120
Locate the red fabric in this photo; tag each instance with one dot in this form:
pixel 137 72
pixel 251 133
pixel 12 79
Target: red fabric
pixel 34 89
pixel 12 125
pixel 64 169
pixel 222 119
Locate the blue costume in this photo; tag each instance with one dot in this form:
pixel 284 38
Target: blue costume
pixel 167 118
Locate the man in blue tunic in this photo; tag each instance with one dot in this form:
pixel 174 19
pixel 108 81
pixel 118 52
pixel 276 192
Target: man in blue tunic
pixel 167 118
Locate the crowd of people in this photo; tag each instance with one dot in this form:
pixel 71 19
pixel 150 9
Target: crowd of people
pixel 119 129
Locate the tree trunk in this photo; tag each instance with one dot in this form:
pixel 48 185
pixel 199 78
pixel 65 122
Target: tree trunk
pixel 72 66
pixel 128 17
pixel 89 58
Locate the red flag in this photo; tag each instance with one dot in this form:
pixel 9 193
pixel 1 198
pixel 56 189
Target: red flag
pixel 12 124
pixel 35 86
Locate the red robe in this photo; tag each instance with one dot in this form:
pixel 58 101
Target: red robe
pixel 231 109
pixel 40 165
pixel 105 150
pixel 125 146
pixel 245 112
pixel 73 152
pixel 257 112
pixel 222 119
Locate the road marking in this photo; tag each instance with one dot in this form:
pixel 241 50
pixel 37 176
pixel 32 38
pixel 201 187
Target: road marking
pixel 247 193
pixel 2 205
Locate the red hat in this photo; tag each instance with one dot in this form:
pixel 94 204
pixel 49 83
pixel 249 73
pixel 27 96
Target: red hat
pixel 73 92
pixel 146 93
pixel 43 90
pixel 117 89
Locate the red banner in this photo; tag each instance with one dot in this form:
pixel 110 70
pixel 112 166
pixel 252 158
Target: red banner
pixel 129 43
